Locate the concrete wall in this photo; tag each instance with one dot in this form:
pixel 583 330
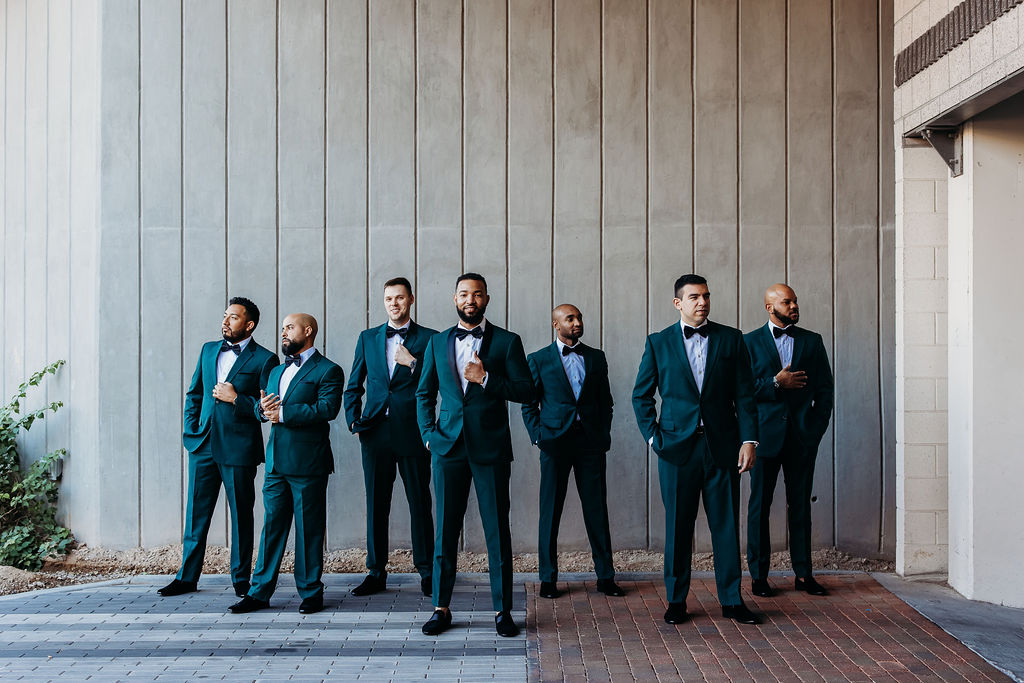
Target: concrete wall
pixel 300 153
pixel 985 374
pixel 921 322
pixel 49 237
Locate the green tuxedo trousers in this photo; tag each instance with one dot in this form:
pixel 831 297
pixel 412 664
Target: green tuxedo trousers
pixel 797 466
pixel 589 468
pixel 682 488
pixel 204 481
pixel 306 498
pixel 380 465
pixel 453 475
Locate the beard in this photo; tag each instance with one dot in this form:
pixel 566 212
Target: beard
pixel 233 337
pixel 289 347
pixel 474 319
pixel 785 319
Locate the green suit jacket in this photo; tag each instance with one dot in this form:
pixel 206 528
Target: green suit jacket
pixel 301 445
pixel 231 431
pixel 556 408
pixel 480 415
pixel 725 404
pixel 394 395
pixel 808 409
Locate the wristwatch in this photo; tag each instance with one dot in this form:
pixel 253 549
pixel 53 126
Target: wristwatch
pixel 412 365
pixel 775 382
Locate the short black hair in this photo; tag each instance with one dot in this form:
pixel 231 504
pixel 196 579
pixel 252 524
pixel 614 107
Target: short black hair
pixel 252 311
pixel 396 281
pixel 471 276
pixel 690 279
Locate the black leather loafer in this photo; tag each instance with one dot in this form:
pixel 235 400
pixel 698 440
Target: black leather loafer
pixel 761 588
pixel 369 586
pixel 740 614
pixel 610 588
pixel 312 604
pixel 248 604
pixel 439 622
pixel 548 589
pixel 810 586
pixel 676 613
pixel 178 588
pixel 504 626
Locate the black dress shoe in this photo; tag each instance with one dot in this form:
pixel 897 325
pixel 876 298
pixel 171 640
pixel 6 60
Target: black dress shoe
pixel 241 588
pixel 548 589
pixel 676 613
pixel 810 586
pixel 427 586
pixel 761 588
pixel 505 627
pixel 609 587
pixel 178 588
pixel 439 622
pixel 741 614
pixel 312 604
pixel 248 604
pixel 369 586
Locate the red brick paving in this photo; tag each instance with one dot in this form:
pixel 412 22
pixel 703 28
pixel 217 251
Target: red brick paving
pixel 860 632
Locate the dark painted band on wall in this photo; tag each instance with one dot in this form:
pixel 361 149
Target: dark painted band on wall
pixel 955 28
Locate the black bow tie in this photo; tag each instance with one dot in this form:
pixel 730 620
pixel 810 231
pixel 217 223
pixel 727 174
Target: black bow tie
pixel 461 333
pixel 293 360
pixel 690 331
pixel 779 331
pixel 566 350
pixel 391 332
pixel 228 346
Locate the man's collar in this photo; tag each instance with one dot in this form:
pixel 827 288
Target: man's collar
pixel 482 325
pixel 307 353
pixel 403 327
pixel 683 323
pixel 771 324
pixel 562 344
pixel 242 344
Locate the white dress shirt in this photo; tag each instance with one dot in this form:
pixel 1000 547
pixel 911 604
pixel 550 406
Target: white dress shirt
pixel 464 350
pixel 783 343
pixel 391 345
pixel 226 360
pixel 287 376
pixel 696 352
pixel 574 367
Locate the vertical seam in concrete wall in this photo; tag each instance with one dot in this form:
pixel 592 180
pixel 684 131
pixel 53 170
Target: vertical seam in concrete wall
pixel 183 477
pixel 138 258
pixel 277 158
pixel 647 241
pixel 3 206
pixel 738 187
pixel 554 148
pixel 508 245
pixel 327 290
pixel 415 147
pixel 462 143
pixel 693 134
pixel 878 281
pixel 366 172
pixel 832 185
pixel 46 224
pixel 600 192
pixel 785 149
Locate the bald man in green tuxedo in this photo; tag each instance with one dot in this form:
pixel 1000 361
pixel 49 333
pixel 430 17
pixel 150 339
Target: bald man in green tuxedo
pixel 303 395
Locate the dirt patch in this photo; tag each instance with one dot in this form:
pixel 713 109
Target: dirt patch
pixel 86 564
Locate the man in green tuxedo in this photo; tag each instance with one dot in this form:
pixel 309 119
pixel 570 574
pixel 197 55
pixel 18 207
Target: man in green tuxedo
pixel 794 390
pixel 301 399
pixel 386 368
pixel 705 438
pixel 224 443
pixel 571 420
pixel 475 367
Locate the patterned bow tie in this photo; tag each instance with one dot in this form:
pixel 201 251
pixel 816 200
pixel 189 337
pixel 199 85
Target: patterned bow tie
pixel 391 332
pixel 779 331
pixel 293 360
pixel 228 346
pixel 462 333
pixel 690 331
pixel 566 350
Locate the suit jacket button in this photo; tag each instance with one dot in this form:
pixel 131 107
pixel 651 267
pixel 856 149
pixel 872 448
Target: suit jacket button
pixel 785 417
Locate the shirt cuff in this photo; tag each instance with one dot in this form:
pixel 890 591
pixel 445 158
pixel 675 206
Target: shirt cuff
pixel 753 442
pixel 280 413
pixel 650 441
pixel 487 376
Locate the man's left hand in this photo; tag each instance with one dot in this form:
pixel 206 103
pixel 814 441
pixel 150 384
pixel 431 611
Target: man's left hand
pixel 474 371
pixel 747 457
pixel 225 391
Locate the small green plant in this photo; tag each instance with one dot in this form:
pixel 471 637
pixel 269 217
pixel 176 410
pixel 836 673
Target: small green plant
pixel 29 532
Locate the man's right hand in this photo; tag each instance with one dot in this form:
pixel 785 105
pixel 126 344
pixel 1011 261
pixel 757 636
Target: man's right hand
pixel 791 380
pixel 269 402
